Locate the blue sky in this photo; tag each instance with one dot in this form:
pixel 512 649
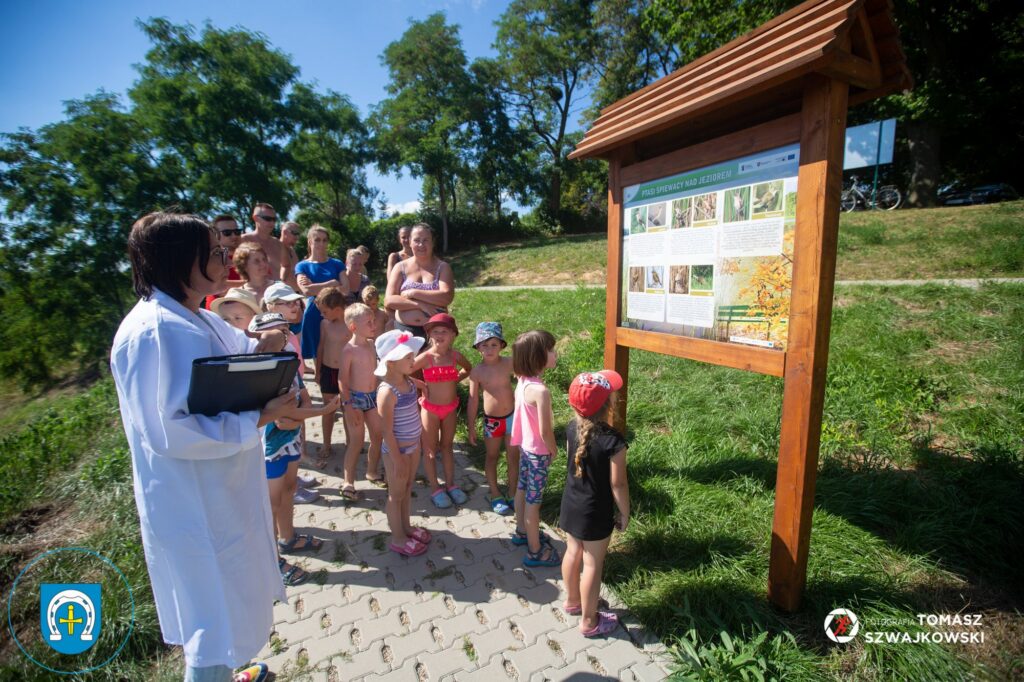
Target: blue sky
pixel 56 50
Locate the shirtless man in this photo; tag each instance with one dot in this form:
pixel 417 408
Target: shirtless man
pixel 493 377
pixel 265 217
pixel 333 337
pixel 288 239
pixel 359 397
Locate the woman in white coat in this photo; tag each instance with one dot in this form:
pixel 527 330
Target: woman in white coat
pixel 200 482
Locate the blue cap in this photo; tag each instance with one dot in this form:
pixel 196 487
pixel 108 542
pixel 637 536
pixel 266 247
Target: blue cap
pixel 489 330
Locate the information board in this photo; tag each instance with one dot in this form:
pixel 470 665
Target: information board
pixel 709 253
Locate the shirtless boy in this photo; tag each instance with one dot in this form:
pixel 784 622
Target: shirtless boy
pixel 264 217
pixel 359 397
pixel 289 258
pixel 333 337
pixel 493 377
pixel 382 323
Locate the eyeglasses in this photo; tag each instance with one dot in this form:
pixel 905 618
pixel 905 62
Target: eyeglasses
pixel 268 218
pixel 231 233
pixel 293 233
pixel 223 253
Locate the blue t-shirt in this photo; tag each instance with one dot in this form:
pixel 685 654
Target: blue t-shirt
pixel 317 273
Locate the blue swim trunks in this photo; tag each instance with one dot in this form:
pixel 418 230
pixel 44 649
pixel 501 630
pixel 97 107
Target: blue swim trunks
pixel 363 400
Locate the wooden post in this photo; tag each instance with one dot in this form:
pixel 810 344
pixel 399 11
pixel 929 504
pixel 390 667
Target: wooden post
pixel 615 356
pixel 822 140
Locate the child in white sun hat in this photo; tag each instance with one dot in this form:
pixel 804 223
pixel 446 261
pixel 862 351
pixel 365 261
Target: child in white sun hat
pixel 399 410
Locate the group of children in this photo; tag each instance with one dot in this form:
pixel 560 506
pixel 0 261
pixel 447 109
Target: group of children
pixel 402 390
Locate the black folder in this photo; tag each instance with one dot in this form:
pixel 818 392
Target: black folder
pixel 238 383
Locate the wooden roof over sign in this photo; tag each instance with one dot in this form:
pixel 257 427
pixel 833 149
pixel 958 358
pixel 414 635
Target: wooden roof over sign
pixel 852 40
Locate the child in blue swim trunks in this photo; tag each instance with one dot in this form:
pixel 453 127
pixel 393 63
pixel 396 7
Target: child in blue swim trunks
pixel 282 449
pixel 493 378
pixel 359 393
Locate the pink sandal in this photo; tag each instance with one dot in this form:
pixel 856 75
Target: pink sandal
pixel 412 547
pixel 421 534
pixel 606 623
pixel 578 608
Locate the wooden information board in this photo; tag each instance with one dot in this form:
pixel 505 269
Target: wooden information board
pixel 723 207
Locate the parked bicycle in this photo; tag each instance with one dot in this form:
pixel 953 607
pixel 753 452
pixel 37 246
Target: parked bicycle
pixel 859 196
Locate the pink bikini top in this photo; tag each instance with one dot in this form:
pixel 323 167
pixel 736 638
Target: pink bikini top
pixel 440 373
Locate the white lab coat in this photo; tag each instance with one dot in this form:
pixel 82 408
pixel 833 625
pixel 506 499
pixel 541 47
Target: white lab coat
pixel 200 487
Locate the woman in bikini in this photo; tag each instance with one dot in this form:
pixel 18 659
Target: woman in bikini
pixel 440 365
pixel 421 286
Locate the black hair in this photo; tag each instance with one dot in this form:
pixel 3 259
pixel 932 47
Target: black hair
pixel 163 247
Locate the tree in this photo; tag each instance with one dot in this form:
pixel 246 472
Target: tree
pixel 966 111
pixel 548 50
pixel 329 149
pixel 422 125
pixel 219 104
pixel 70 194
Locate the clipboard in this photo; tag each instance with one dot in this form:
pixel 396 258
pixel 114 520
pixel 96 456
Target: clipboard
pixel 239 383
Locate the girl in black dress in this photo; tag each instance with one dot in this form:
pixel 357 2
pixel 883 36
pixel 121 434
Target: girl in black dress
pixel 595 485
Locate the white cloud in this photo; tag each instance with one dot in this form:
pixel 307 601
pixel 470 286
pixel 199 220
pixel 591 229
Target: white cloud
pixel 406 207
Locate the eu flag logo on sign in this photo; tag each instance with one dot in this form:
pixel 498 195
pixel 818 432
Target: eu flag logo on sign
pixel 70 616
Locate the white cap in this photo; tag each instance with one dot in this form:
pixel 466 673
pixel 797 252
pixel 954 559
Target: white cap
pixel 395 345
pixel 279 291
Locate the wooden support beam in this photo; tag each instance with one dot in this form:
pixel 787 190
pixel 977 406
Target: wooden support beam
pixel 819 182
pixel 615 356
pixel 750 358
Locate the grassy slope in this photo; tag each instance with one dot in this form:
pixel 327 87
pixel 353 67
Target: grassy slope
pixel 973 241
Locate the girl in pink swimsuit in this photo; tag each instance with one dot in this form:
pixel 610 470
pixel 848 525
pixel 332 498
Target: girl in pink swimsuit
pixel 441 365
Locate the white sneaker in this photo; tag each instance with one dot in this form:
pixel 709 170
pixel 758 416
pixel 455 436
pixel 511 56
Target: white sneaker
pixel 308 481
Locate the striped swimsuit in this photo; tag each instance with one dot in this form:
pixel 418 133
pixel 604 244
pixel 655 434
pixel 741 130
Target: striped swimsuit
pixel 407 424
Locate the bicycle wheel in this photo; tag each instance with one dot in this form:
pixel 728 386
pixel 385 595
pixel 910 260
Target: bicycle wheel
pixel 848 200
pixel 888 198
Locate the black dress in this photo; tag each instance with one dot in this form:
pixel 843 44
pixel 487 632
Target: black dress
pixel 588 507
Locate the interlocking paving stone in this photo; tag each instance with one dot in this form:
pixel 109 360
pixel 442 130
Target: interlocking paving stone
pixel 468 593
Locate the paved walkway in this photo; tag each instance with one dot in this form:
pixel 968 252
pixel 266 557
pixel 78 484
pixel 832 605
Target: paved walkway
pixel 968 283
pixel 466 610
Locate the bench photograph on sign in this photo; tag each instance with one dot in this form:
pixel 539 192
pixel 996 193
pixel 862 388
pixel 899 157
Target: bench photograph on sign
pixel 730 271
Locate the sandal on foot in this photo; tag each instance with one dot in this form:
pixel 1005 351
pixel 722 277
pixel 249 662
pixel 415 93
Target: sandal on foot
pixel 292 575
pixel 578 608
pixel 412 547
pixel 536 559
pixel 440 499
pixel 350 493
pixel 519 538
pixel 421 534
pixel 606 623
pixel 458 497
pixel 500 506
pixel 257 672
pixel 322 457
pixel 377 482
pixel 301 542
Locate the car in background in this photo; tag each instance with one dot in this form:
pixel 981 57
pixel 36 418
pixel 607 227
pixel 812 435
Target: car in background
pixel 956 194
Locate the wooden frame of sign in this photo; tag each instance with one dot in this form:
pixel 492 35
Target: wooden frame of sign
pixel 789 81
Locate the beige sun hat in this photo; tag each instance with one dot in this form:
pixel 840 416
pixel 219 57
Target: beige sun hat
pixel 236 296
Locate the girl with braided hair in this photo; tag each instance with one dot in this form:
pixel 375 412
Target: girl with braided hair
pixel 595 484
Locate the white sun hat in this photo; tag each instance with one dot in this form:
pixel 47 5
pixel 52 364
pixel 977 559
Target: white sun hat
pixel 395 345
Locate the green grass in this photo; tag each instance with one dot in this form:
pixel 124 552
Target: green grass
pixel 920 470
pixel 574 259
pixel 959 242
pixel 920 476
